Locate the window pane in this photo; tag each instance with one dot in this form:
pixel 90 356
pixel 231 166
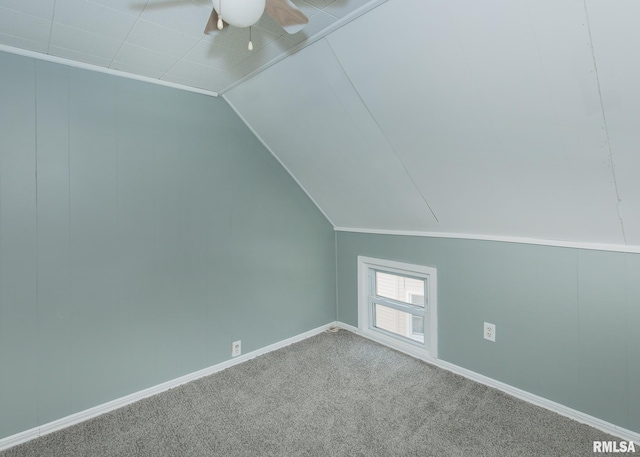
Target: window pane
pixel 399 322
pixel 401 288
pixel 417 325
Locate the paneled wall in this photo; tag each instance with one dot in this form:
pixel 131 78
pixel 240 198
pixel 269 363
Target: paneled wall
pixel 566 319
pixel 142 230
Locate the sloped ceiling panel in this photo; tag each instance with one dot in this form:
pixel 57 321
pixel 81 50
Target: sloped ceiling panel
pixel 492 111
pixel 308 113
pixel 616 37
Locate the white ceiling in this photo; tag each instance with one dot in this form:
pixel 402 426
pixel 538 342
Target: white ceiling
pixel 161 39
pixel 498 118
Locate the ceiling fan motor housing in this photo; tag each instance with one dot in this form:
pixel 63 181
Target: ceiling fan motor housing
pixel 239 13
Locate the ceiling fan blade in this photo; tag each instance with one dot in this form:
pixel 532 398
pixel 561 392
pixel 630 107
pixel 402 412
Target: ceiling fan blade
pixel 287 15
pixel 212 24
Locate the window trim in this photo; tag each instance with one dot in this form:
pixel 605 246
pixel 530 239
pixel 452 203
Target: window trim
pixel 365 264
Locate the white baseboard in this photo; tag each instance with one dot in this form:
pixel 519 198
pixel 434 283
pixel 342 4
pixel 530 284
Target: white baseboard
pixel 82 416
pixel 578 416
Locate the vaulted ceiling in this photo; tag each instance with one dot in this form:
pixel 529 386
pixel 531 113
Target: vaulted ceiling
pixel 496 118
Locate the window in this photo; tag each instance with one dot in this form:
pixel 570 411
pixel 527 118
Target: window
pixel 397 304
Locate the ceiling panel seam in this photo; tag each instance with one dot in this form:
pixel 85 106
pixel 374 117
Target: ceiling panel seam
pixel 382 131
pixel 53 14
pixel 181 59
pixel 255 133
pixel 604 121
pixel 128 35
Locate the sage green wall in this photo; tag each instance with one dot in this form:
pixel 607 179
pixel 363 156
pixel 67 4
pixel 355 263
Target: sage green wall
pixel 567 320
pixel 142 230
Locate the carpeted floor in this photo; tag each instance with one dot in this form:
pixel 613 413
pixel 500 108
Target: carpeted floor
pixel 335 394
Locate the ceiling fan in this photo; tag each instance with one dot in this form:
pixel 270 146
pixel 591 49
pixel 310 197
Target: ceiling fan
pixel 245 13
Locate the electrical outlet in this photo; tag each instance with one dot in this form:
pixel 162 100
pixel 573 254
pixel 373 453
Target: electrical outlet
pixel 490 332
pixel 236 348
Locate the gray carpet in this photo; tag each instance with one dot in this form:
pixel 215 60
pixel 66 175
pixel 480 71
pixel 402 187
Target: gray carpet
pixel 335 394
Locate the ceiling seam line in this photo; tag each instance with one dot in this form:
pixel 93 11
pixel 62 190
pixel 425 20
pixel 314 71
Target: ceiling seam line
pixel 273 154
pixel 604 121
pixel 182 59
pixel 382 131
pixel 346 111
pixel 128 34
pixel 53 15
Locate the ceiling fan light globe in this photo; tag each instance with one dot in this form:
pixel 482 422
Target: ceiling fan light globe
pixel 239 13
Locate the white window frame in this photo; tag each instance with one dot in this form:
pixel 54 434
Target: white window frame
pixel 366 266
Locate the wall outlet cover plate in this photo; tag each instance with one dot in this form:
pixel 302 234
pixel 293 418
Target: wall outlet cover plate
pixel 489 332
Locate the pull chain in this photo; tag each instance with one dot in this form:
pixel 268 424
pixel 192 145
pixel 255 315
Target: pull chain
pixel 220 24
pixel 250 47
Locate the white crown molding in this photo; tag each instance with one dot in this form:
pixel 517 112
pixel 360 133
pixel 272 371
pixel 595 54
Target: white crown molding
pixel 82 416
pixel 506 239
pixel 576 415
pixel 99 69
